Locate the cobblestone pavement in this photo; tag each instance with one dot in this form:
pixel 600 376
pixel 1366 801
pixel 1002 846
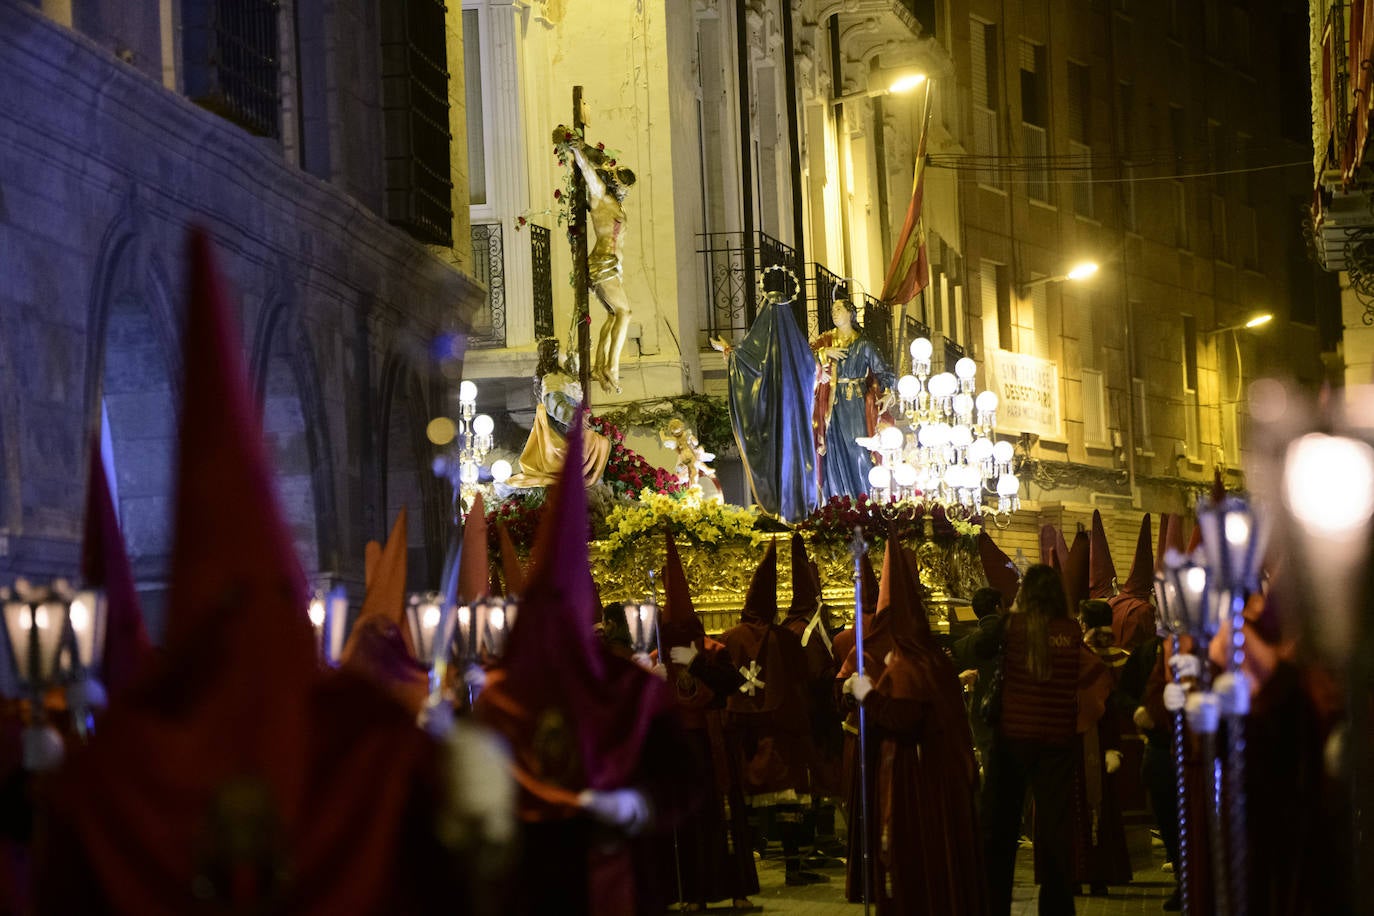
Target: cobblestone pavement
pixel 1143 895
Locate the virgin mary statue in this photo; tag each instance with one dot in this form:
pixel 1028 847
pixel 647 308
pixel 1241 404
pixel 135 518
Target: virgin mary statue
pixel 771 376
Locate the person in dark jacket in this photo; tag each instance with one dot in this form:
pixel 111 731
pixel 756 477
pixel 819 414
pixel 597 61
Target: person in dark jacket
pixel 987 604
pixel 1043 662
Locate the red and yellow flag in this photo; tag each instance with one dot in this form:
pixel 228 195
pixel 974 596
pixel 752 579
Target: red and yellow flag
pixel 909 272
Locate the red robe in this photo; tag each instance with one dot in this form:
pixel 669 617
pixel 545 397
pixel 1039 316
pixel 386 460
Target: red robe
pixel 926 851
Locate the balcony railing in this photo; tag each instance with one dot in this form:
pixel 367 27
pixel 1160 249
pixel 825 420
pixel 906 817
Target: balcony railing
pixel 541 273
pixel 734 291
pixel 1035 145
pixel 489 268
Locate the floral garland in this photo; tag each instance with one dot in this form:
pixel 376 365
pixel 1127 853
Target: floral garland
pixel 520 513
pixel 706 415
pixel 835 521
pixel 690 518
pixel 627 472
pixel 562 196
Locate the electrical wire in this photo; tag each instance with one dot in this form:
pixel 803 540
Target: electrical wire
pixel 1006 164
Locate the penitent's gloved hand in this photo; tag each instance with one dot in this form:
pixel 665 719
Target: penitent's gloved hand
pixel 627 809
pixel 683 655
pixel 863 686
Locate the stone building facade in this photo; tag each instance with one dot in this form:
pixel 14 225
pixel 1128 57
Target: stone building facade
pixel 104 164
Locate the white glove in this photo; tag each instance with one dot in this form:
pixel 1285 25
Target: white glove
pixel 1112 760
pixel 627 809
pixel 1175 697
pixel 42 748
pixel 1233 693
pixel 475 676
pixel 862 687
pixel 479 804
pixel 86 694
pixel 683 655
pixel 436 718
pixel 1142 719
pixel 1204 712
pixel 849 684
pixel 1185 665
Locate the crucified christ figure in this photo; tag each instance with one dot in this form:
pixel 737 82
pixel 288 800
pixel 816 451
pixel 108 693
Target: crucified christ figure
pixel 607 188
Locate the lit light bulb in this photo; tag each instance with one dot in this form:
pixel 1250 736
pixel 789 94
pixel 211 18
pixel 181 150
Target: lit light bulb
pixel 879 477
pixel 1008 485
pixel 921 348
pixel 500 470
pixel 965 368
pixel 482 424
pixel 1002 451
pixel 986 401
pixel 960 436
pixel 317 612
pixel 467 392
pixel 904 474
pixel 908 387
pixel 79 615
pixel 890 438
pixel 429 617
pixel 980 450
pixel 963 404
pixel 943 385
pixel 1329 483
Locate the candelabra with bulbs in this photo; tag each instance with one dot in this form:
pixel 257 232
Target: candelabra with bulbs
pixel 950 456
pixel 471 438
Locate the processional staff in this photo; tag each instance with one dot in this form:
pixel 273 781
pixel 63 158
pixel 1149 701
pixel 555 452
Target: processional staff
pixel 858 547
pixel 577 239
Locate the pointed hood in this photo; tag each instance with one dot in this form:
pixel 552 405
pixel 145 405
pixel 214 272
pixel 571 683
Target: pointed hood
pixel 1173 537
pixel 678 622
pixel 806 587
pixel 556 672
pixel 386 587
pixel 1050 538
pixel 1075 571
pixel 512 573
pixel 1140 581
pixel 1194 539
pixel 1101 569
pixel 1000 571
pixel 105 565
pixel 474 565
pixel 870 584
pixel 1165 520
pixel 761 601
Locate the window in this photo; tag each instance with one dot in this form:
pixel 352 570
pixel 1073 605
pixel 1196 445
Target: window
pixel 1125 117
pixel 1192 437
pixel 1240 37
pixel 1128 216
pixel 1220 240
pixel 1174 19
pixel 476 116
pixel 1095 432
pixel 995 295
pixel 986 97
pixel 1178 137
pixel 1245 185
pixel 1211 28
pixel 1083 203
pixel 1080 102
pixel 1249 238
pixel 1180 194
pixel 1034 103
pixel 419 189
pixel 1141 400
pixel 1040 322
pixel 983 45
pixel 230 51
pixel 1216 148
pixel 1035 120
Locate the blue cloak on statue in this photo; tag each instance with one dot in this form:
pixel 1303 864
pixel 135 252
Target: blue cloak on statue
pixel 772 375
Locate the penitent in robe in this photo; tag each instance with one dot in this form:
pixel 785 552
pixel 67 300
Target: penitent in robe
pixel 771 377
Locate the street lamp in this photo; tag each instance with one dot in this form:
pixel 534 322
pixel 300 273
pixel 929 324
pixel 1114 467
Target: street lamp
pixel 1080 271
pixel 1248 325
pixel 885 82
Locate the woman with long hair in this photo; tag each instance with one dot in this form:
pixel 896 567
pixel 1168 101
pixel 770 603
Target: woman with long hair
pixel 1043 661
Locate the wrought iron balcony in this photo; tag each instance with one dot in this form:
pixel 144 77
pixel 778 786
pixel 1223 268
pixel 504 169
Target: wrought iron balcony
pixel 489 268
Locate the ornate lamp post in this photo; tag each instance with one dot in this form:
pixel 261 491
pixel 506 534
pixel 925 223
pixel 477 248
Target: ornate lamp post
pixel 328 612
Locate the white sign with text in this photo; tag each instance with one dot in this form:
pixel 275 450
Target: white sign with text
pixel 1027 389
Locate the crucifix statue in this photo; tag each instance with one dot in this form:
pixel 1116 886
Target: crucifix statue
pixel 607 185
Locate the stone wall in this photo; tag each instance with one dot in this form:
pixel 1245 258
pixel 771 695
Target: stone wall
pixel 101 173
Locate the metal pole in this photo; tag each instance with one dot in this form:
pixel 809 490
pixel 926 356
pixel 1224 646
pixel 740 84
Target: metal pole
pixel 746 159
pixel 1235 762
pixel 577 239
pixel 858 546
pixel 1181 789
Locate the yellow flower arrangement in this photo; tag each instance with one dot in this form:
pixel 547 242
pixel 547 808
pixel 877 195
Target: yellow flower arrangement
pixel 688 516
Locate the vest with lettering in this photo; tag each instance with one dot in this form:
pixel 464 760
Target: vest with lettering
pixel 1035 710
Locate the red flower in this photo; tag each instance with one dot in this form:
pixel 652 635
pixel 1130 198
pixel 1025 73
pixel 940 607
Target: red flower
pixel 601 146
pixel 557 194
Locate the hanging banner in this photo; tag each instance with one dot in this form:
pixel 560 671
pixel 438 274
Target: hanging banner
pixel 1027 389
